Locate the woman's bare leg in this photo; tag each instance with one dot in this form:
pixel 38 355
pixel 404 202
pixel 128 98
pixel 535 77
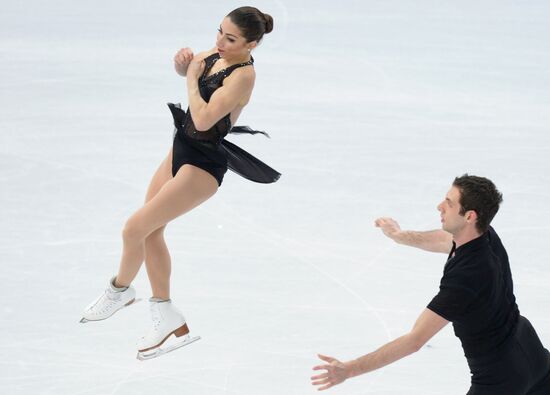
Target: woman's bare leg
pixel 157 257
pixel 189 188
pixel 162 175
pixel 158 264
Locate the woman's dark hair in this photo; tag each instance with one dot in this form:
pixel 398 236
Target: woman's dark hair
pixel 252 22
pixel 480 195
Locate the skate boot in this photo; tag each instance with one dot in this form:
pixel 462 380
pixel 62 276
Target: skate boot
pixel 112 300
pixel 169 331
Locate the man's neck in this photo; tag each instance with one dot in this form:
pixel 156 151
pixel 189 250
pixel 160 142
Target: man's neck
pixel 465 235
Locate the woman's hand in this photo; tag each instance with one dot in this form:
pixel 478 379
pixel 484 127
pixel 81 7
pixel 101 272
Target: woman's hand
pixel 195 69
pixel 182 59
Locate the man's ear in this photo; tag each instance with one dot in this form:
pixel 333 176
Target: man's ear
pixel 471 216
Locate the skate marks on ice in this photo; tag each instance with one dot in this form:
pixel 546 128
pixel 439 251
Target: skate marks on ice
pixel 291 246
pixel 170 344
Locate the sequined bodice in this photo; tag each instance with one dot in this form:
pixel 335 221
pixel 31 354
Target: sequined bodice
pixel 207 86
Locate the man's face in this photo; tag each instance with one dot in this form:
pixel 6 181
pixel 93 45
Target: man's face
pixel 449 208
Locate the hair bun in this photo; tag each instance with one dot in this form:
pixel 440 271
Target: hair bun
pixel 252 22
pixel 268 23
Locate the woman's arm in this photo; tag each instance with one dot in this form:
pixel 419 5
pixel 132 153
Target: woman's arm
pixel 184 56
pixel 436 240
pixel 235 91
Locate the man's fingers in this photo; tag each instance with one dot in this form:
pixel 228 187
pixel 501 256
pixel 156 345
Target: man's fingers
pixel 321 382
pixel 319 367
pixel 326 358
pixel 326 387
pixel 320 376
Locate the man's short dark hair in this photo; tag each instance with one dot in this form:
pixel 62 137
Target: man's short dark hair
pixel 480 195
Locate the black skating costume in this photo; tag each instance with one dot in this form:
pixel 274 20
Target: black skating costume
pixel 209 150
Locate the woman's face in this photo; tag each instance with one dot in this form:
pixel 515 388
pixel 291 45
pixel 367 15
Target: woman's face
pixel 230 42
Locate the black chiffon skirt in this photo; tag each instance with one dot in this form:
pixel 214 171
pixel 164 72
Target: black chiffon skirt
pixel 217 158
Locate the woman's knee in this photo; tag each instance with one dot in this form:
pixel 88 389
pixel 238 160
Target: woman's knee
pixel 133 232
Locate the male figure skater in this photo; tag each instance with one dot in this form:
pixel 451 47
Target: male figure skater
pixel 501 347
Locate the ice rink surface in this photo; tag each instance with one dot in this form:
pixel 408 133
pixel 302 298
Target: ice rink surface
pixel 373 108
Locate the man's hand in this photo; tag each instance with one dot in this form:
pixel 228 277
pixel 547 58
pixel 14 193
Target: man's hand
pixel 335 373
pixel 389 226
pixel 436 240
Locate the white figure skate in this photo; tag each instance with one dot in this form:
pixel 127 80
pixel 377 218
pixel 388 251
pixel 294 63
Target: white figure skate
pixel 168 333
pixel 108 303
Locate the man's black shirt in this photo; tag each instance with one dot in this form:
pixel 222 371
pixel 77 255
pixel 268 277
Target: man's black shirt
pixel 476 294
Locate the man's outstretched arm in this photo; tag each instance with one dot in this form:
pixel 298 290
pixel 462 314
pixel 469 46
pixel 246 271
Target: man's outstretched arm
pixel 335 372
pixel 436 240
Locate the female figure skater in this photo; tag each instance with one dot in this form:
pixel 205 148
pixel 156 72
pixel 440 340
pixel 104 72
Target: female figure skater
pixel 219 85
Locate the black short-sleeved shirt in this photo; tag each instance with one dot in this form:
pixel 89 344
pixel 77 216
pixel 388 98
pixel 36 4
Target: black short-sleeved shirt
pixel 476 294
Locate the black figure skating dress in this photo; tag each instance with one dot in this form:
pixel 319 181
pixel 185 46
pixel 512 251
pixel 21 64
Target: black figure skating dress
pixel 209 150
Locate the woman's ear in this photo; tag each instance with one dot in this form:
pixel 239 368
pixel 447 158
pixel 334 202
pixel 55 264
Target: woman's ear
pixel 251 45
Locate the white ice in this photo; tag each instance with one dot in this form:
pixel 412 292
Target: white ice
pixel 373 108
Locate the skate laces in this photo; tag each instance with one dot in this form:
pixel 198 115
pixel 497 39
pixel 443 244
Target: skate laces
pixel 112 299
pixel 155 316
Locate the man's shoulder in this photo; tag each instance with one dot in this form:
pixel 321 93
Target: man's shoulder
pixel 494 240
pixel 492 232
pixel 470 266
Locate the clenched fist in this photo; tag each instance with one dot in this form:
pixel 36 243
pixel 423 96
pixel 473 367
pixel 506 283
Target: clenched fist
pixel 183 57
